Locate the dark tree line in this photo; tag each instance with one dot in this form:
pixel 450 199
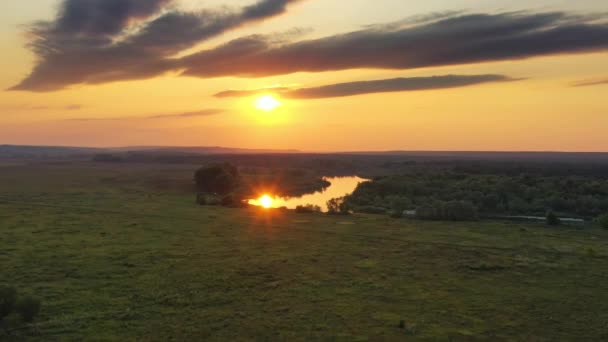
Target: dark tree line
pixel 522 194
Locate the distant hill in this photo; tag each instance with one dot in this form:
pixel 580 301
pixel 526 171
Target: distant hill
pixel 199 150
pixel 17 151
pixel 25 151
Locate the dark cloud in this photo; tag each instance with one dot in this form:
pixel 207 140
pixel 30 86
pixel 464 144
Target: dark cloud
pixel 102 17
pixel 243 93
pixel 204 112
pixel 454 40
pixel 435 40
pixel 95 41
pixel 375 86
pixel 591 83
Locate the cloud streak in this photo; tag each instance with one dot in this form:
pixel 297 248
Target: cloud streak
pixel 98 54
pixel 206 112
pixel 184 115
pixel 375 86
pixel 71 107
pixel 589 83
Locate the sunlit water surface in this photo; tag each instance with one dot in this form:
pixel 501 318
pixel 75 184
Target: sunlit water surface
pixel 340 186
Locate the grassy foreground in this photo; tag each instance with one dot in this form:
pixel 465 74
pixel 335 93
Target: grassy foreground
pixel 115 259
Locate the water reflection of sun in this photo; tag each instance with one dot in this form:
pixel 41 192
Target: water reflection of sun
pixel 265 201
pixel 340 186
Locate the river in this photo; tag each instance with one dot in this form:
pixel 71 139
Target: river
pixel 340 186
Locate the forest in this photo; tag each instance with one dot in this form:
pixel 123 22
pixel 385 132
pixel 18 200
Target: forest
pixel 493 188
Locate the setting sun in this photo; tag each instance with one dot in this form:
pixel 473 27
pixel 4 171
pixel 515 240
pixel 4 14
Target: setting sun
pixel 267 103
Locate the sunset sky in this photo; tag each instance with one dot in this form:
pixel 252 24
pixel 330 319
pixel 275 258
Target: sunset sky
pixel 349 75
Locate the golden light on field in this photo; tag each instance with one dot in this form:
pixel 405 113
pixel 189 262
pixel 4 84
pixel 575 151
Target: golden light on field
pixel 267 103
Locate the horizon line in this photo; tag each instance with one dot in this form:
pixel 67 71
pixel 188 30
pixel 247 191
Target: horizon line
pixel 279 151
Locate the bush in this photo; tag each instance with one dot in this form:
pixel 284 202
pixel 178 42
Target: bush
pixel 552 219
pixel 28 308
pixel 233 201
pixel 8 298
pixel 201 199
pixel 308 209
pixel 10 304
pixel 449 211
pixel 603 221
pixel 368 209
pixel 460 211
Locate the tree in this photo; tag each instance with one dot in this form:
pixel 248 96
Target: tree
pixel 603 221
pixel 338 206
pixel 220 179
pixel 552 219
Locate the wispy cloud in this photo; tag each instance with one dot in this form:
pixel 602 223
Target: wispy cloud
pixel 374 86
pixel 206 112
pixel 588 83
pixel 200 113
pixel 29 107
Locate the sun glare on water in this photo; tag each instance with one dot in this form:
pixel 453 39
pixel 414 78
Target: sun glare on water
pixel 266 201
pixel 267 103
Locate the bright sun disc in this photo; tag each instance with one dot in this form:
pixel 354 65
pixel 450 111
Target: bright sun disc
pixel 267 103
pixel 266 201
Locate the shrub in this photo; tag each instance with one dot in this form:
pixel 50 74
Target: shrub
pixel 28 307
pixel 396 214
pixel 8 298
pixel 450 211
pixel 308 209
pixel 552 219
pixel 201 199
pixel 208 199
pixel 603 221
pixel 12 306
pixel 233 201
pixel 460 211
pixel 368 209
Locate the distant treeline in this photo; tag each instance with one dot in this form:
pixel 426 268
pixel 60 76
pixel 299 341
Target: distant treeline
pixel 574 185
pixel 373 165
pixel 514 189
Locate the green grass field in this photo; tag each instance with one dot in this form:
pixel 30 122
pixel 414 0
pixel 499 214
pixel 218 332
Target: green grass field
pixel 121 253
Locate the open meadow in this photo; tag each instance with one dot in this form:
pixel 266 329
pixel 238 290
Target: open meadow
pixel 122 252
